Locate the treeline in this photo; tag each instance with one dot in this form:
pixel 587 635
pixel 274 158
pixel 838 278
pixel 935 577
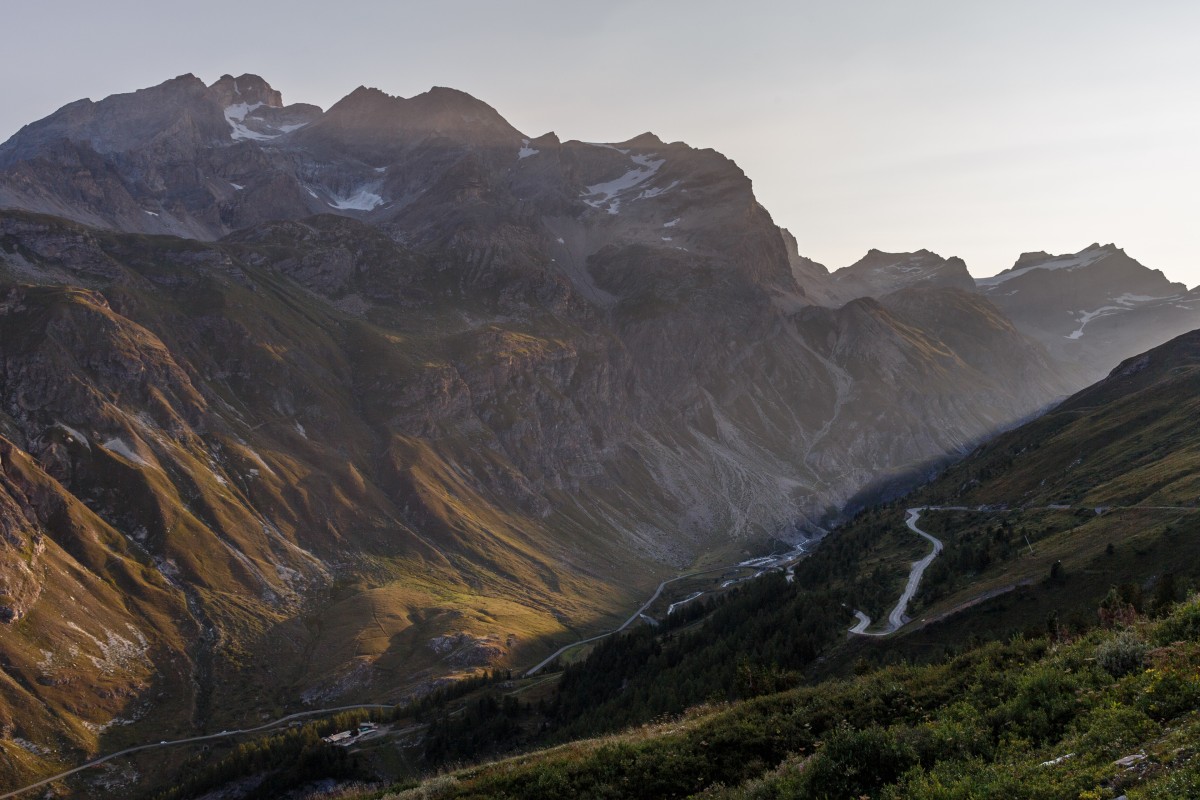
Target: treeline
pixel 282 761
pixel 490 724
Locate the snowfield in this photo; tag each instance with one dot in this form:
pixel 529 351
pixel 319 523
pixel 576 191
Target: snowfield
pixel 1083 258
pixel 365 199
pixel 607 196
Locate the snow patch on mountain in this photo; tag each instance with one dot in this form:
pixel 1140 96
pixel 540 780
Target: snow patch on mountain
pixel 1074 261
pixel 119 447
pixel 1125 302
pixel 607 196
pixel 235 115
pixel 76 435
pixel 526 151
pixel 656 191
pixel 363 200
pixel 622 150
pixel 1087 316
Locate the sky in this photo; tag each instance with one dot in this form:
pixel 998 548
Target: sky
pixel 981 130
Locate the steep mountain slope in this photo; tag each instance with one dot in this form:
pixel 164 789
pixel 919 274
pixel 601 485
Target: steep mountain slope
pixel 497 388
pixel 1128 440
pixel 1094 505
pixel 1095 308
pixel 813 278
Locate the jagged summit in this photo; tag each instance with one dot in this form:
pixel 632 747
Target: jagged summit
pixel 1031 258
pixel 249 89
pixel 440 110
pixel 1042 260
pixel 646 139
pixel 879 273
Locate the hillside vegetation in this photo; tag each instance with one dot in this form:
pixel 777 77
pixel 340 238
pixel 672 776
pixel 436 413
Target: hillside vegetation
pixel 1092 716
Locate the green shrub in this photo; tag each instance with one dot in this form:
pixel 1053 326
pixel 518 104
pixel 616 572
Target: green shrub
pixel 1112 731
pixel 1172 685
pixel 1121 655
pixel 853 763
pixel 1182 625
pixel 1045 702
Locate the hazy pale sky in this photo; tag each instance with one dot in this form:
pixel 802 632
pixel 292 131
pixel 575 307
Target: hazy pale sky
pixel 973 129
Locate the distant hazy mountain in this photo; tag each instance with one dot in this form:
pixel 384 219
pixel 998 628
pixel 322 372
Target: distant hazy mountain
pixel 1095 307
pixel 878 273
pixel 1090 309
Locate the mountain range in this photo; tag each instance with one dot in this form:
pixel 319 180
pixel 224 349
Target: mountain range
pixel 300 407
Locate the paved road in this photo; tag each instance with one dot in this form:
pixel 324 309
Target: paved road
pixel 633 618
pixel 764 561
pixel 899 614
pixel 190 740
pixel 899 617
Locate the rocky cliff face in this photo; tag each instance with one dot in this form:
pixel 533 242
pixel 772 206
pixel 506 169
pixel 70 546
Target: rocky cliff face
pixel 496 387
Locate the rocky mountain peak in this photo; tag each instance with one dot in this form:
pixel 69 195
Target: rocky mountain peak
pixel 364 97
pixel 179 109
pixel 249 89
pixel 1041 261
pixel 455 113
pixel 1092 307
pixel 646 139
pixel 1031 258
pixel 379 124
pixel 879 273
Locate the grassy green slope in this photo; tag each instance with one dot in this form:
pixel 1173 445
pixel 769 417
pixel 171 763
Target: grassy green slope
pixel 1022 719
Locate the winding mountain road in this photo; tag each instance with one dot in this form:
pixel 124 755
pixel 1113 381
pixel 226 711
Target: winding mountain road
pixel 899 614
pixel 774 561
